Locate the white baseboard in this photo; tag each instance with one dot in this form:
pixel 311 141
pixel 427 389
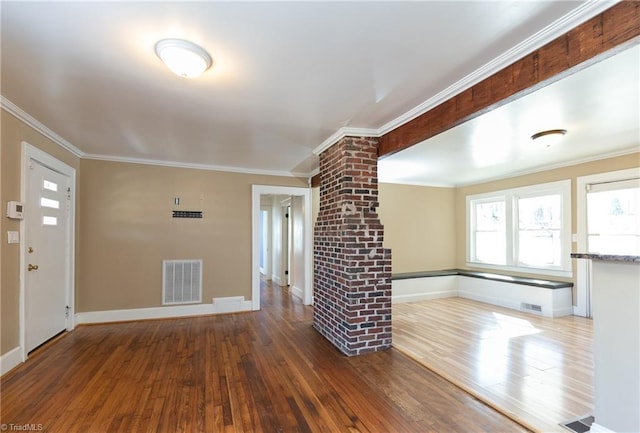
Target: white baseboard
pixel 297 292
pixel 231 304
pixel 415 297
pixel 10 360
pixel 597 428
pixel 579 310
pixel 219 305
pixel 501 302
pixel 423 289
pixel 560 312
pixel 276 279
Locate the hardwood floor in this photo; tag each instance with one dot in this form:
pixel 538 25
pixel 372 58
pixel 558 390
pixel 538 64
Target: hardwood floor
pixel 536 369
pixel 265 371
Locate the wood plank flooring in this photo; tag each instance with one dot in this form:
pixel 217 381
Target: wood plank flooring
pixel 265 371
pixel 536 369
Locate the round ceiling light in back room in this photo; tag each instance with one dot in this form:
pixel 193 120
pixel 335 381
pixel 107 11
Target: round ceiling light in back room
pixel 183 58
pixel 549 137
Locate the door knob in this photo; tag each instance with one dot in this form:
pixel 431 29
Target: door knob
pixel 32 267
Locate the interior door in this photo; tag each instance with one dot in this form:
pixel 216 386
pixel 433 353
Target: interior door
pixel 47 241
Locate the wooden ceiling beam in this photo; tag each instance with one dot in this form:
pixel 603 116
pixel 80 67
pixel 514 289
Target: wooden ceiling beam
pixel 602 36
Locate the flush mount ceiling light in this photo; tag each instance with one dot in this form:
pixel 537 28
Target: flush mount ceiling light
pixel 550 137
pixel 184 58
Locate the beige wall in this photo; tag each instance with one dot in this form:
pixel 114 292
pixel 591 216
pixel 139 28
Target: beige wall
pixel 13 133
pixel 418 226
pixel 127 230
pixel 571 172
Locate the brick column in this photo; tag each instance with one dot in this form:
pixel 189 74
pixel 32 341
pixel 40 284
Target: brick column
pixel 352 275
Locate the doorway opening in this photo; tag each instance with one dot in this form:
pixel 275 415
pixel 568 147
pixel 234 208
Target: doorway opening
pixel 282 240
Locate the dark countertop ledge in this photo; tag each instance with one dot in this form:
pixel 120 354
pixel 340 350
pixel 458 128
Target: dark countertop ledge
pixel 547 284
pixel 606 257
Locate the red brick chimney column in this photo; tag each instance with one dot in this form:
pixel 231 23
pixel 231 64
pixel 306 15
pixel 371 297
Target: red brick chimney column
pixel 352 271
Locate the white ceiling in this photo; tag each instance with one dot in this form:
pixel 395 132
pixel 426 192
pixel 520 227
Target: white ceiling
pixel 287 77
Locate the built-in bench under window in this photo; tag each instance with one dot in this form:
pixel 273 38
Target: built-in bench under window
pixel 545 297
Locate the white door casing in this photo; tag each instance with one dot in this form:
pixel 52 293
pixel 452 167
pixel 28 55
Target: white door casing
pixel 47 249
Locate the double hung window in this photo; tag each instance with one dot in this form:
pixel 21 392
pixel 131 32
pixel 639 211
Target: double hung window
pixel 526 229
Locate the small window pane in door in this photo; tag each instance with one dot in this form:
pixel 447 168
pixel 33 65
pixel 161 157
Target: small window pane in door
pixel 51 186
pixel 47 202
pixel 49 221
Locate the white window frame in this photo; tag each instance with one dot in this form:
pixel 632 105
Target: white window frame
pixel 471 229
pixel 511 196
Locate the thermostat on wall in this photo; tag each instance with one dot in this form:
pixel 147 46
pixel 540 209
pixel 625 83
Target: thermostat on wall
pixel 14 210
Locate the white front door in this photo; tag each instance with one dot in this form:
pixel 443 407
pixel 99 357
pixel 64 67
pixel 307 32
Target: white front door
pixel 47 246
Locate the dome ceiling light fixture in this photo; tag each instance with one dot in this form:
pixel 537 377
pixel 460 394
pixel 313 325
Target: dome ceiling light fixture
pixel 549 137
pixel 183 57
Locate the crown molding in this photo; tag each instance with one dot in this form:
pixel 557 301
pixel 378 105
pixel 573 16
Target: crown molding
pixel 345 132
pixel 22 115
pixel 548 167
pixel 208 167
pixel 418 183
pixel 582 13
pixel 25 117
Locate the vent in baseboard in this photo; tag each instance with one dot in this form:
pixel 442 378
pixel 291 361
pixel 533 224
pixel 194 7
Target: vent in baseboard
pixel 533 308
pixel 181 282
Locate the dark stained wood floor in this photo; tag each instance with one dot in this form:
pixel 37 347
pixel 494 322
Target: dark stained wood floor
pixel 265 371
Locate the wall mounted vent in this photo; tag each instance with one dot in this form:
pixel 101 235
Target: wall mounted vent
pixel 181 282
pixel 187 214
pixel 531 308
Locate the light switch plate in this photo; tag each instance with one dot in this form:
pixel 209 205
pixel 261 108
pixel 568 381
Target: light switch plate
pixel 13 237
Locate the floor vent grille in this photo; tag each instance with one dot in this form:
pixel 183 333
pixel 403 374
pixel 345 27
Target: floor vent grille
pixel 579 426
pixel 532 308
pixel 181 282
